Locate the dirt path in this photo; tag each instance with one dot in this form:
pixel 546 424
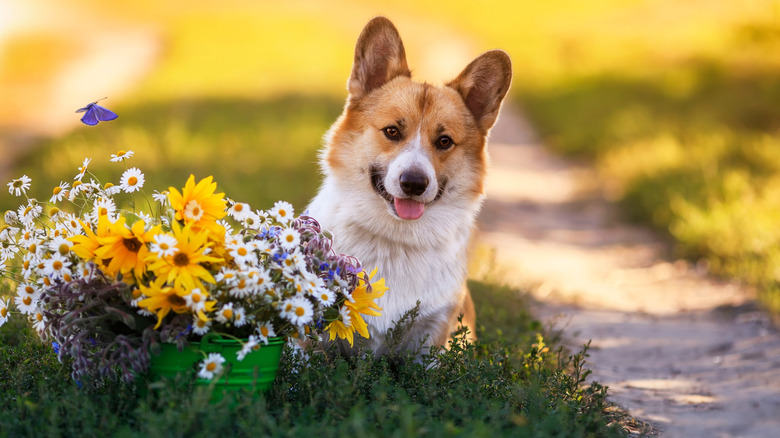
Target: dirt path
pixel 690 355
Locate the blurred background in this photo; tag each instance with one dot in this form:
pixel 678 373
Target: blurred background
pixel 675 102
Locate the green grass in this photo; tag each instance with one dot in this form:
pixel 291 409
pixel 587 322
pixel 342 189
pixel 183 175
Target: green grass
pixel 511 383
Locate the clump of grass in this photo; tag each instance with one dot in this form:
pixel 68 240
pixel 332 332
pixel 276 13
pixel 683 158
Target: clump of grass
pixel 508 384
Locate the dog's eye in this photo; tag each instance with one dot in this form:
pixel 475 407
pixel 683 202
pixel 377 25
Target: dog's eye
pixel 392 133
pixel 444 142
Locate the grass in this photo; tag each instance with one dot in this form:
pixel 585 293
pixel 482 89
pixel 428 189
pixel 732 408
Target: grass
pixel 513 382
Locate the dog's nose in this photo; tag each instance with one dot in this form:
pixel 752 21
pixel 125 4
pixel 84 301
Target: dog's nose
pixel 413 183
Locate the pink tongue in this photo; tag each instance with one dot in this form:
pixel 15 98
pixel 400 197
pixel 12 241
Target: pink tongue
pixel 409 209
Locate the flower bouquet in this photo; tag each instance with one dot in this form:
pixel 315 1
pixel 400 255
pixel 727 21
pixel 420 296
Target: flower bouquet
pixel 111 285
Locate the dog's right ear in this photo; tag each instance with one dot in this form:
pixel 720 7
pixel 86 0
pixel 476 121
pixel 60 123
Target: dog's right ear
pixel 379 57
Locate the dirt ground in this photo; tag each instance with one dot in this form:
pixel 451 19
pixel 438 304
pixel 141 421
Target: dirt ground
pixel 692 356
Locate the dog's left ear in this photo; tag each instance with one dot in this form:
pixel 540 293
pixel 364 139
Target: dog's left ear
pixel 483 85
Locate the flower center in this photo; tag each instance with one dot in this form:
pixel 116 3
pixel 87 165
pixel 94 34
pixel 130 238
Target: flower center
pixel 132 245
pixel 193 210
pixel 103 211
pixel 211 366
pixel 300 311
pixel 63 249
pixel 290 238
pixel 195 298
pixel 29 289
pixel 242 251
pixel 39 317
pixel 57 190
pixel 57 265
pixel 4 312
pixel 227 313
pixel 201 323
pixel 181 259
pixel 176 301
pixel 264 331
pixel 17 183
pixel 132 181
pixel 238 207
pixel 27 301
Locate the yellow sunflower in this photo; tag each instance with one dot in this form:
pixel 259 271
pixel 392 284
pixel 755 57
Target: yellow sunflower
pixel 125 247
pixel 199 205
pixel 84 246
pixel 351 311
pixel 184 267
pixel 162 299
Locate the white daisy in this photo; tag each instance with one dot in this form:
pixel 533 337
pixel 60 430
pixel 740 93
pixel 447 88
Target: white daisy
pixel 346 319
pixel 26 298
pixel 3 311
pixel 265 331
pixel 132 180
pixel 39 322
pixel 227 275
pixel 251 221
pixel 326 297
pixel 57 266
pixel 196 300
pixel 28 213
pixel 103 207
pixel 164 245
pixel 239 317
pixel 260 279
pixel 111 190
pixel 199 326
pixel 86 271
pixel 19 186
pixel 242 252
pixel 60 245
pixel 59 192
pixel 289 238
pixel 239 211
pixel 282 212
pixel 83 169
pixel 161 197
pixel 211 366
pixel 241 288
pixel 193 211
pixel 301 311
pixel 252 344
pixel 121 156
pixel 225 314
pixel 71 222
pixel 148 219
pixel 11 217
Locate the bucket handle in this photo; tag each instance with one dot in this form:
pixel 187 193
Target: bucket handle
pixel 208 345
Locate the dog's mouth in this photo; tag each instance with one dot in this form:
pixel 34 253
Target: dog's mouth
pixel 405 208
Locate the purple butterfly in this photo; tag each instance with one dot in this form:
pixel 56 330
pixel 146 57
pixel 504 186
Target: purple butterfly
pixel 96 113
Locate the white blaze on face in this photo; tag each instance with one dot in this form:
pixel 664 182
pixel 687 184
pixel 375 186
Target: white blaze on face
pixel 413 158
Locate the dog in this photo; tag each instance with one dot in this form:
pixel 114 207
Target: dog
pixel 404 167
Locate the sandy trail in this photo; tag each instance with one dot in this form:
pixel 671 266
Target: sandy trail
pixel 690 355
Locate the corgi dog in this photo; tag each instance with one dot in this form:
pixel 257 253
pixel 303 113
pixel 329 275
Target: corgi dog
pixel 404 167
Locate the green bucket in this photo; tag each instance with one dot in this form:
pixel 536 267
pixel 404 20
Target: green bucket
pixel 257 370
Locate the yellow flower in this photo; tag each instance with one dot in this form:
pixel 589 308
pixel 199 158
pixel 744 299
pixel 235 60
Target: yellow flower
pixel 197 204
pixel 351 311
pixel 125 247
pixel 161 300
pixel 85 246
pixel 183 268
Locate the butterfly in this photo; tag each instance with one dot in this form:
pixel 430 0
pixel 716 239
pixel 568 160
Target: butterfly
pixel 96 113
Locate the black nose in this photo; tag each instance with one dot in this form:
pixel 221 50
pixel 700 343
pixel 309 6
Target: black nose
pixel 413 183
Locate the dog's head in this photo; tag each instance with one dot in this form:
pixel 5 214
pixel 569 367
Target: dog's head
pixel 408 147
